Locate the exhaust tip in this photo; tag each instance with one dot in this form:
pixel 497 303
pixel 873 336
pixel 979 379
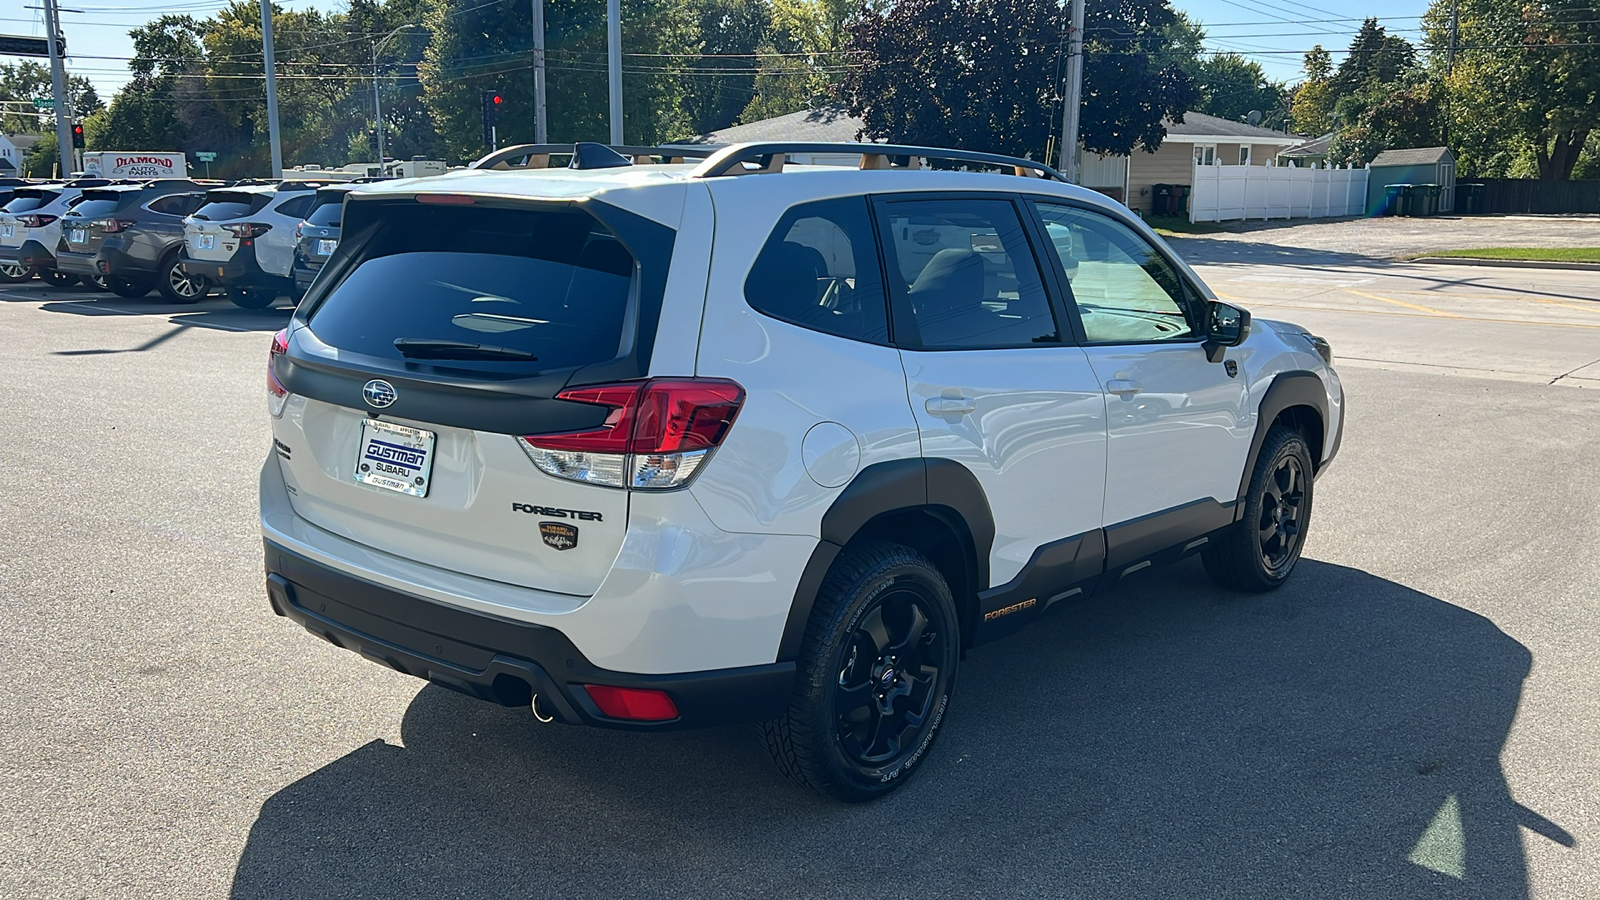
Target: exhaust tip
pixel 538 713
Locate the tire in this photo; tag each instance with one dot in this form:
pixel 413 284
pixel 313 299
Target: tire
pixel 178 287
pixel 883 606
pixel 60 279
pixel 100 284
pixel 11 273
pixel 1259 552
pixel 252 297
pixel 127 287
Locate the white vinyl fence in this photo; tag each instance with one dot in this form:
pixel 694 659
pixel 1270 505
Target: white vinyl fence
pixel 1219 193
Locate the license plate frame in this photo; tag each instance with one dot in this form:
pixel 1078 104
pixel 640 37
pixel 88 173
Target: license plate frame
pixel 395 458
pixel 326 246
pixel 8 230
pixel 78 235
pixel 205 242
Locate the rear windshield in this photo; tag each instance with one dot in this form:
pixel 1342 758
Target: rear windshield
pixel 327 214
pixel 551 283
pixel 92 207
pixel 231 206
pixel 29 201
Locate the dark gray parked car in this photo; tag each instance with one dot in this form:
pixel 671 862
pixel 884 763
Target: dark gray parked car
pixel 317 236
pixel 132 235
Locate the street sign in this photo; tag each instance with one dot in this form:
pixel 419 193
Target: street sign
pixel 44 103
pixel 205 156
pixel 20 45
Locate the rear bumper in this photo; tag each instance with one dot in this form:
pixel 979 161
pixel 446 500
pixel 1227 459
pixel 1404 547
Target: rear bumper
pixel 497 659
pixel 305 272
pixel 241 270
pixel 32 254
pixel 108 260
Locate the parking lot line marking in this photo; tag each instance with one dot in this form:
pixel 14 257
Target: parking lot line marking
pixel 1384 312
pixel 1416 306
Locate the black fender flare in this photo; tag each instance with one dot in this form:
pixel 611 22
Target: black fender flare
pixel 933 484
pixel 1288 389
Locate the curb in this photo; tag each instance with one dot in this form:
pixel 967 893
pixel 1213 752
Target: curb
pixel 1508 263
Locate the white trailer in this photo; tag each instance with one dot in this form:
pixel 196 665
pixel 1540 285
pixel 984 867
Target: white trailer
pixel 134 164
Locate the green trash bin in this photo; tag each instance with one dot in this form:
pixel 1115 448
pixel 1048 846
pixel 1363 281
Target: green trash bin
pixel 1161 200
pixel 1181 196
pixel 1469 199
pixel 1395 200
pixel 1429 199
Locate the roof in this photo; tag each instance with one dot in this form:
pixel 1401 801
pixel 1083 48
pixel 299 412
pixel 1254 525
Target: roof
pixel 23 142
pixel 1417 156
pixel 1201 126
pixel 832 124
pixel 1315 147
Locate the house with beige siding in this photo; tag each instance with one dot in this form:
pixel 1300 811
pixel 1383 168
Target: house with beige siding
pixel 1198 138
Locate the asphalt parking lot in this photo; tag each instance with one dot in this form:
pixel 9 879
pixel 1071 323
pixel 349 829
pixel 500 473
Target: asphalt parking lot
pixel 1417 714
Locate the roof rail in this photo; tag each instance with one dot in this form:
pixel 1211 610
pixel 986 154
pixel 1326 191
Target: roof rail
pixel 537 156
pixel 768 156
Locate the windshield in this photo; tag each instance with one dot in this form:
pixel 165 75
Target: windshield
pixel 231 207
pixel 30 201
pixel 91 208
pixel 328 213
pixel 551 284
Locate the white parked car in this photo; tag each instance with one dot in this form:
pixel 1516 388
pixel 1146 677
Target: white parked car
pixel 244 238
pixel 30 230
pixel 651 447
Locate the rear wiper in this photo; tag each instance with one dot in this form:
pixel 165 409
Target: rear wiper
pixel 429 348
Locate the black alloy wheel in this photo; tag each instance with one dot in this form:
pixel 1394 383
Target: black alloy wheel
pixel 179 286
pixel 1260 550
pixel 1280 529
pixel 60 279
pixel 100 284
pixel 14 273
pixel 874 675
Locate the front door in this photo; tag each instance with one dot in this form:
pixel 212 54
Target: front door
pixel 994 380
pixel 1178 426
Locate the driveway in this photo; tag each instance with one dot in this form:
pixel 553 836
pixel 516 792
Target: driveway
pixel 1386 238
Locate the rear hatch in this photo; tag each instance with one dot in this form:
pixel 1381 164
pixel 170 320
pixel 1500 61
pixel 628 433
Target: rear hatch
pixel 84 226
pixel 415 449
pixel 26 201
pixel 204 235
pixel 319 233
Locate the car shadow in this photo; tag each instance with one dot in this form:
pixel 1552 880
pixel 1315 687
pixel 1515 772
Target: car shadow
pixel 214 312
pixel 1337 738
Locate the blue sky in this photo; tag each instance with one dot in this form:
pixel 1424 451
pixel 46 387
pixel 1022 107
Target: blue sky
pixel 1272 32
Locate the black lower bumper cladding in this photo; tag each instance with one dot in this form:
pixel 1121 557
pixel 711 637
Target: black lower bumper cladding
pixel 501 660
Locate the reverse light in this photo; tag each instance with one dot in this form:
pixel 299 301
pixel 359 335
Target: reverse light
pixel 246 229
pixel 656 436
pixel 277 394
pixel 35 221
pixel 637 704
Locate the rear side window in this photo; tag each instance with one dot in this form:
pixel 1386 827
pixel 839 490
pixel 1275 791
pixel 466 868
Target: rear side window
pixel 551 283
pixel 819 270
pixel 296 208
pixel 327 214
pixel 230 206
pixel 174 205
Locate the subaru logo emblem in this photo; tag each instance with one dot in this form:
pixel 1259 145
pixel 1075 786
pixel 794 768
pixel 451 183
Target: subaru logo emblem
pixel 379 393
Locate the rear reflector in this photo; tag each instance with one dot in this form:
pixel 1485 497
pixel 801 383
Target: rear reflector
pixel 632 703
pixel 656 436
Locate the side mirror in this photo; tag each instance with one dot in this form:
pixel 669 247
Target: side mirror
pixel 1226 326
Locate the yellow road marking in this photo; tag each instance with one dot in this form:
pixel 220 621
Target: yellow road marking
pixel 1416 306
pixel 1593 307
pixel 1380 312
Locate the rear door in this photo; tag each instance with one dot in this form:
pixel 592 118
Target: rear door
pixel 552 283
pixel 207 240
pixel 994 379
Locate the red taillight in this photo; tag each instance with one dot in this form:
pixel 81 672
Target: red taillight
pixel 655 437
pixel 35 221
pixel 246 229
pixel 632 703
pixel 112 226
pixel 277 394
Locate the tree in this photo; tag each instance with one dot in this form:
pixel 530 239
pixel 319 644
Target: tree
pixel 1374 56
pixel 1311 109
pixel 1525 80
pixel 1231 87
pixel 802 63
pixel 1405 114
pixel 723 80
pixel 985 74
pixel 28 79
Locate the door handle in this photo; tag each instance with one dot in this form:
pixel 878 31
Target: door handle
pixel 1122 387
pixel 949 406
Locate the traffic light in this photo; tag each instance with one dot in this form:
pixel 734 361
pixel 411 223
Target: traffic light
pixel 77 135
pixel 493 102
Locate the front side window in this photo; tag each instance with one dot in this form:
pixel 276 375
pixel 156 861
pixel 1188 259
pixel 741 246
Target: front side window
pixel 1125 291
pixel 819 270
pixel 962 272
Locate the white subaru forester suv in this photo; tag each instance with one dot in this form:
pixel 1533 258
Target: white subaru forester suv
pixel 656 446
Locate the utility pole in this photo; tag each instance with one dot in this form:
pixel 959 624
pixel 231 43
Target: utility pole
pixel 540 136
pixel 1450 54
pixel 1074 98
pixel 377 104
pixel 272 88
pixel 58 86
pixel 614 65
